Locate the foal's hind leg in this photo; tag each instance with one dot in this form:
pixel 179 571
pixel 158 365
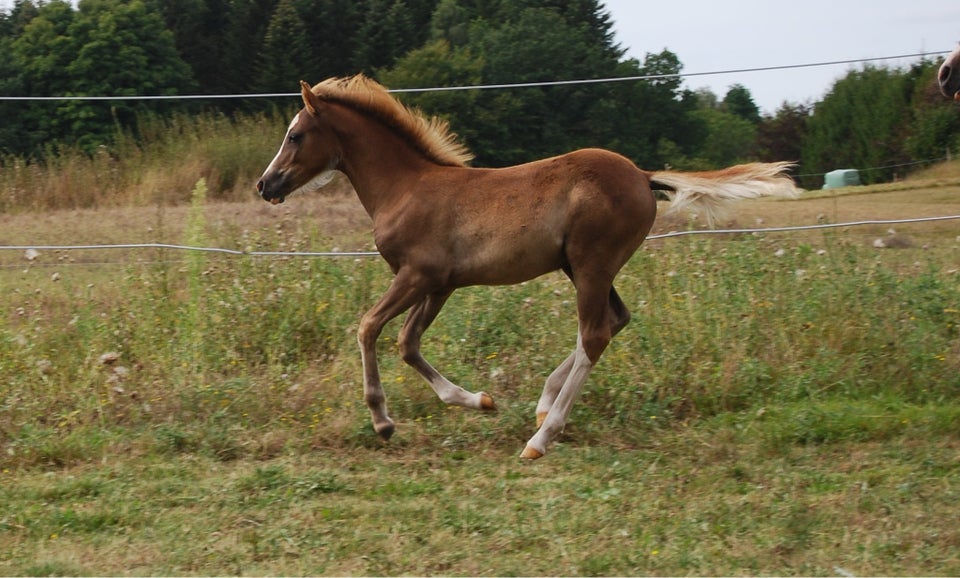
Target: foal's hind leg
pixel 619 316
pixel 419 319
pixel 552 387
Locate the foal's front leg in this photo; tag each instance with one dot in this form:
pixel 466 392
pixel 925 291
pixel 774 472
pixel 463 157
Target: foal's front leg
pixel 399 297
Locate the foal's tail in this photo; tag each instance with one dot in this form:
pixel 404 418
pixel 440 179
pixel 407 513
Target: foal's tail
pixel 712 191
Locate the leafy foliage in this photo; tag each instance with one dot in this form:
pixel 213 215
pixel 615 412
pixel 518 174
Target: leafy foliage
pixel 106 48
pixel 860 123
pixel 880 118
pixel 738 102
pixel 286 34
pixel 873 117
pixel 781 136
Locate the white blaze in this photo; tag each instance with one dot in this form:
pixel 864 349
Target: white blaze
pixel 293 123
pixel 317 181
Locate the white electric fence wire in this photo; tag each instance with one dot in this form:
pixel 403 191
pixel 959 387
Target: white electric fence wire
pixel 470 87
pixel 356 254
pixel 484 86
pixel 804 227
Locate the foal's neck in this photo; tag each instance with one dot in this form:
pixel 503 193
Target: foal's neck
pixel 380 163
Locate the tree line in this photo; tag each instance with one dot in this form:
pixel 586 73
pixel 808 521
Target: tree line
pixel 872 117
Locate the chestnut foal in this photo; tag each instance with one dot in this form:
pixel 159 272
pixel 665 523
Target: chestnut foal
pixel 442 225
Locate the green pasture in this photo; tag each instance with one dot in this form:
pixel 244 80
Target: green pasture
pixel 780 404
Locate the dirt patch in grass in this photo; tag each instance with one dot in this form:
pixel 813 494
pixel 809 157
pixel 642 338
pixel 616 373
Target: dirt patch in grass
pixel 337 213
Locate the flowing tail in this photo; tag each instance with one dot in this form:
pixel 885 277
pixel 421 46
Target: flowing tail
pixel 712 191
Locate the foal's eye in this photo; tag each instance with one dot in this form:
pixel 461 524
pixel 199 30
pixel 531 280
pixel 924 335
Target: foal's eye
pixel 294 137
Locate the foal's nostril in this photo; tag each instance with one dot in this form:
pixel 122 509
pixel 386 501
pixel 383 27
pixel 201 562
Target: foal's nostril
pixel 944 73
pixel 259 186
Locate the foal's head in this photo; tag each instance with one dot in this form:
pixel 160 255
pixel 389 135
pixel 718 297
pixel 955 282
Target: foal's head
pixel 307 157
pixel 311 151
pixel 949 76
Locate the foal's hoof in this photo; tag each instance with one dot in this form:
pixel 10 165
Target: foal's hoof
pixel 530 453
pixel 385 430
pixel 486 402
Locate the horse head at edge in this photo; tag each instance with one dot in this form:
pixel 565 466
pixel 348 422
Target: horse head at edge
pixel 949 75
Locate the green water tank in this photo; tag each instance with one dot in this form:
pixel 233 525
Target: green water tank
pixel 841 178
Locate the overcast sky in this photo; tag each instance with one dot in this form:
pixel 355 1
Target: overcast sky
pixel 708 36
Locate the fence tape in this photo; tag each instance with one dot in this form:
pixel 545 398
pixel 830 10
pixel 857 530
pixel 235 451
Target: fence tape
pixel 335 254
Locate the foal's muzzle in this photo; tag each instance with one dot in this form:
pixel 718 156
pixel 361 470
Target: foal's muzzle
pixel 949 80
pixel 948 77
pixel 271 196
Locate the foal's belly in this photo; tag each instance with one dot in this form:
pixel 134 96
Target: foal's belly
pixel 508 257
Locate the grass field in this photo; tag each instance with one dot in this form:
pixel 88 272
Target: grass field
pixel 781 404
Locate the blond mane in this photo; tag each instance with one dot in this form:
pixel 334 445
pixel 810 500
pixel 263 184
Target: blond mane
pixel 432 136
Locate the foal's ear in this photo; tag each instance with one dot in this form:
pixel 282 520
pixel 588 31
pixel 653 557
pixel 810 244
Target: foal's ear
pixel 310 100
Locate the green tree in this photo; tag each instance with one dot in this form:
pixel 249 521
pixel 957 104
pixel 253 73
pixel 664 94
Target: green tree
pixel 451 22
pixel 247 22
pixel 20 14
pixel 653 119
pixel 10 84
pixel 589 18
pixel 935 123
pixel 332 27
pixel 730 139
pixel 706 98
pixel 121 48
pixel 494 42
pixel 439 64
pixel 387 30
pixel 284 51
pixel 780 137
pixel 199 29
pixel 37 63
pixel 739 102
pixel 103 48
pixel 518 125
pixel 861 123
pixel 44 48
pixel 541 40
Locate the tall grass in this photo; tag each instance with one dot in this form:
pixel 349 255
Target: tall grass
pixel 779 405
pixel 212 352
pixel 156 163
